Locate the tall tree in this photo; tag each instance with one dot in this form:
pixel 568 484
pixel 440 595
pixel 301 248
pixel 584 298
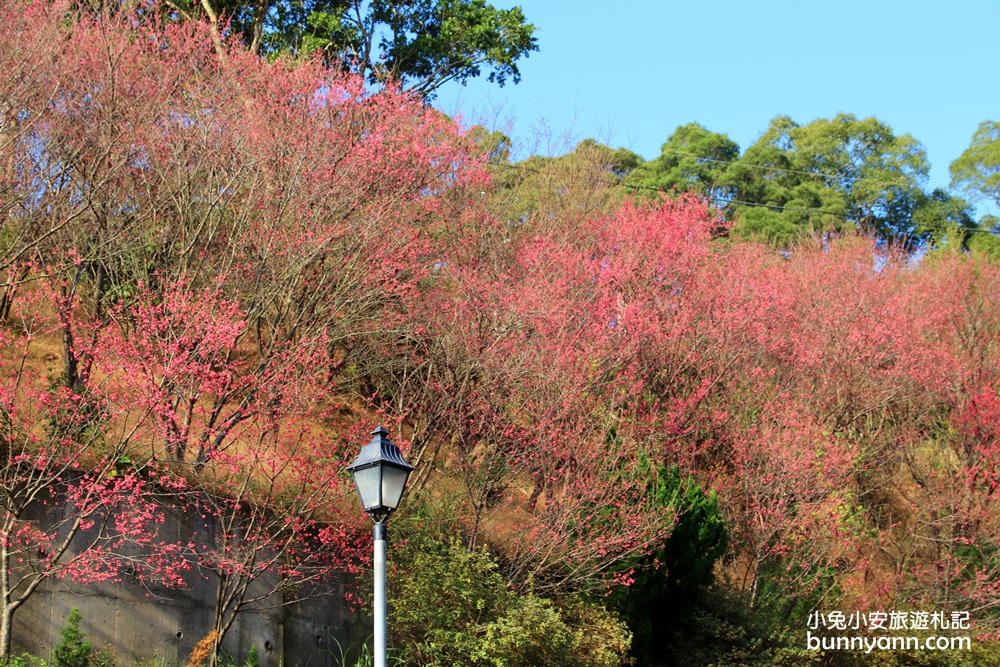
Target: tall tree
pixel 976 172
pixel 693 159
pixel 243 226
pixel 541 192
pixel 417 44
pixel 946 219
pixel 826 175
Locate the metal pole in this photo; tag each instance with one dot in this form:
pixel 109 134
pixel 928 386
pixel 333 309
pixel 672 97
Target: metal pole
pixel 379 536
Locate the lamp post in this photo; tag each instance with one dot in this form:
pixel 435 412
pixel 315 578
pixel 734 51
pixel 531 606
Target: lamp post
pixel 380 474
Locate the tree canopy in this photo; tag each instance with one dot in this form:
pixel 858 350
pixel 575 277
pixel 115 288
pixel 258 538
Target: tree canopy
pixel 828 174
pixel 693 159
pixel 976 172
pixel 418 44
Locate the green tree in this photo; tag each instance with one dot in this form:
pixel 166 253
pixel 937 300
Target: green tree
pixel 542 191
pixel 829 174
pixel 949 223
pixel 946 219
pixel 73 649
pixel 494 145
pixel 987 241
pixel 418 44
pixel 670 581
pixel 976 172
pixel 693 159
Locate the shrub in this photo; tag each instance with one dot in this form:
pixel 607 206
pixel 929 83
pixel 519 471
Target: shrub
pixel 73 649
pixel 453 606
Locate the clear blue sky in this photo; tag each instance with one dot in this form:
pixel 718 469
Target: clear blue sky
pixel 628 72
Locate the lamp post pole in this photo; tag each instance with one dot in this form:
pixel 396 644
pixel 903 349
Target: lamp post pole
pixel 379 538
pixel 380 474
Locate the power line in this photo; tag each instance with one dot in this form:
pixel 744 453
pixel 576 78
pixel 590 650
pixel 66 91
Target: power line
pixel 774 207
pixel 649 188
pixel 729 200
pixel 763 167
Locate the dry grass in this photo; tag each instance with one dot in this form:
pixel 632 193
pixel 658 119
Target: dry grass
pixel 202 650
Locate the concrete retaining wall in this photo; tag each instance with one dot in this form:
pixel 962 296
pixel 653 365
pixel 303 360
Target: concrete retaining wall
pixel 154 625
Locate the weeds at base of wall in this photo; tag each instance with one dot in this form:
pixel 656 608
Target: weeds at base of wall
pixel 360 656
pixel 74 650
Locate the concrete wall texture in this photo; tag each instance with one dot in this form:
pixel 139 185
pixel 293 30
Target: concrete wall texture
pixel 155 625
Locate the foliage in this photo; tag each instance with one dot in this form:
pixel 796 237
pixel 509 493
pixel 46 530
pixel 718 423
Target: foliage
pixel 722 630
pixel 829 173
pixel 697 540
pixel 670 581
pixel 976 172
pixel 359 655
pixel 417 45
pixel 541 192
pixel 25 660
pixel 946 219
pixel 73 649
pixel 455 607
pixel 218 269
pixel 184 322
pixel 250 661
pixel 987 241
pixel 692 160
pixel 816 179
pixel 58 453
pixel 202 650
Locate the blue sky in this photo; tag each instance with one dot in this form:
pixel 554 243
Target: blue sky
pixel 628 72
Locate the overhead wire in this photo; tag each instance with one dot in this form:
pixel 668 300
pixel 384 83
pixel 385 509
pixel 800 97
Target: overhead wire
pixel 729 200
pixel 784 170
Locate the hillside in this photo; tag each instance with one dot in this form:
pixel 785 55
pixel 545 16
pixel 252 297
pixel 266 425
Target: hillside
pixel 220 271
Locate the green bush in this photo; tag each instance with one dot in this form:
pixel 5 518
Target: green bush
pixel 452 606
pixel 73 649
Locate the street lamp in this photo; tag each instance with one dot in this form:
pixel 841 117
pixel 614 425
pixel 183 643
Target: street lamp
pixel 380 475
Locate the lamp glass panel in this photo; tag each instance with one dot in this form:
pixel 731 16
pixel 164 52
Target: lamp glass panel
pixel 393 483
pixel 367 482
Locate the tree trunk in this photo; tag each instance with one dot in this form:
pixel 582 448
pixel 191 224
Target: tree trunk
pixel 217 620
pixel 6 625
pixel 6 609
